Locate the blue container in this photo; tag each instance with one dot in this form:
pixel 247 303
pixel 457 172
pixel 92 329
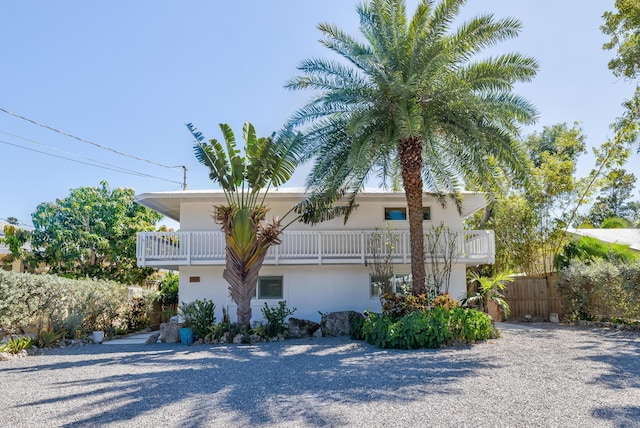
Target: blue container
pixel 186 336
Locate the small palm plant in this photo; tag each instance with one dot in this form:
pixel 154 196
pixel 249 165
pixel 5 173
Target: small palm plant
pixel 490 289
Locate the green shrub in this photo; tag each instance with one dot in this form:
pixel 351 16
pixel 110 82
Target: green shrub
pixel 276 319
pixel 17 344
pixel 398 305
pixel 167 296
pixel 614 223
pixel 601 289
pixel 136 316
pixel 356 327
pixel 199 315
pixel 587 250
pixel 49 338
pixel 430 329
pixel 75 306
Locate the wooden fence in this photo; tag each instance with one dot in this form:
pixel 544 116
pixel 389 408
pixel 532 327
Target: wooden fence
pixel 534 296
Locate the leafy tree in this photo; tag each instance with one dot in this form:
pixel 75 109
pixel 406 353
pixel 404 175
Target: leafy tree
pixel 245 181
pixel 633 213
pixel 13 220
pixel 15 238
pixel 612 202
pixel 415 101
pixel 515 224
pixel 623 28
pixel 92 233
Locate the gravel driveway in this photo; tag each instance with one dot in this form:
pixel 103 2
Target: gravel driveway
pixel 534 375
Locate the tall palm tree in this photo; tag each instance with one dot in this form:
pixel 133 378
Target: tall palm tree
pixel 245 181
pixel 415 101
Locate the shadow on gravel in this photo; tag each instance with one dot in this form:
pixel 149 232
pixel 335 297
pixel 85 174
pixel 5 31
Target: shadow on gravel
pixel 622 356
pixel 295 381
pixel 621 417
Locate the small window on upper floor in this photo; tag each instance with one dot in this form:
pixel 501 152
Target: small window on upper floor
pixel 400 213
pixel 426 213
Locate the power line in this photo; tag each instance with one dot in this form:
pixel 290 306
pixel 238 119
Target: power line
pixel 116 169
pixel 86 141
pixel 72 154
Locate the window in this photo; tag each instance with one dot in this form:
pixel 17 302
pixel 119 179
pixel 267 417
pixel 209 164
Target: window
pixel 426 213
pixel 400 213
pixel 400 284
pixel 269 287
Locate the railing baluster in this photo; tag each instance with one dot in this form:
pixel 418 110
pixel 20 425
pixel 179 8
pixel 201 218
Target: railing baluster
pixel 296 247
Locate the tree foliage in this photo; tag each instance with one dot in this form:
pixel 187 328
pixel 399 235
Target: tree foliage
pixel 15 239
pixel 623 28
pixel 415 100
pixel 613 200
pixel 92 233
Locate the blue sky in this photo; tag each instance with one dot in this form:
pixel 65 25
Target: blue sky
pixel 129 75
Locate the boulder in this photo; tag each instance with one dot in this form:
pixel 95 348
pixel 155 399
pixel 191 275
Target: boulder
pixel 152 339
pixel 302 328
pixel 338 323
pixel 169 333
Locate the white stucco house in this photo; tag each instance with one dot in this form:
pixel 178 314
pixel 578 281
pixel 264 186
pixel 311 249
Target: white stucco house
pixel 320 268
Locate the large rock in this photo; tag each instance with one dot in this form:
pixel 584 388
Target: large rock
pixel 152 339
pixel 302 328
pixel 169 332
pixel 338 323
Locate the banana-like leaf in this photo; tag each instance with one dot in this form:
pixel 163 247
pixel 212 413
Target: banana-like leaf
pixel 236 161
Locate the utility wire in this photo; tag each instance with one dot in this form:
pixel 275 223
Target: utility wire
pixel 87 142
pixel 73 154
pixel 117 169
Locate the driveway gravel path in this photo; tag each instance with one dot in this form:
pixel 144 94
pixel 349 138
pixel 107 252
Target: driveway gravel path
pixel 534 375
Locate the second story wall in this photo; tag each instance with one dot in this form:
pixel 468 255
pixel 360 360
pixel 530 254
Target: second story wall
pixel 370 213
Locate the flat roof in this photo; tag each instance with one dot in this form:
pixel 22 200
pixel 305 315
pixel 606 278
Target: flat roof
pixel 168 203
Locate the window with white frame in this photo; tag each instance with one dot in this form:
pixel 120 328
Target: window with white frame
pixel 400 284
pixel 269 287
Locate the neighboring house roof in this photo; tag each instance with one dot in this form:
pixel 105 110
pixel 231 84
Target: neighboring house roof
pixel 168 203
pixel 629 237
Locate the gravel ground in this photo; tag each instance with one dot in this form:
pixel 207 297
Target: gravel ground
pixel 534 375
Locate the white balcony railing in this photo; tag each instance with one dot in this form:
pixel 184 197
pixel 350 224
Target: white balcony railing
pixel 166 249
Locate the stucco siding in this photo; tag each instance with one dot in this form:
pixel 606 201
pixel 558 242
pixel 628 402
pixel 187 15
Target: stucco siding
pixel 310 289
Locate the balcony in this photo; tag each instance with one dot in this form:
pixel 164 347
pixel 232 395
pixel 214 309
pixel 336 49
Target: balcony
pixel 172 249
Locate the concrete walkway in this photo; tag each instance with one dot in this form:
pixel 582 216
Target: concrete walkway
pixel 136 339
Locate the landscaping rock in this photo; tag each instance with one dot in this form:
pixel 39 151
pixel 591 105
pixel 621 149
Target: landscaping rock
pixel 302 328
pixel 152 339
pixel 169 333
pixel 255 338
pixel 338 323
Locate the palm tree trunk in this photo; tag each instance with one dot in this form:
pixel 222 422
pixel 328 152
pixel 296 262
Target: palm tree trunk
pixel 410 153
pixel 242 286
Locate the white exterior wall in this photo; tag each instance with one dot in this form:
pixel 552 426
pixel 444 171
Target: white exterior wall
pixel 196 216
pixel 313 288
pixel 310 289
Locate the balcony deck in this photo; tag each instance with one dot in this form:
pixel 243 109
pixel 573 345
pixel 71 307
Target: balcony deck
pixel 173 249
